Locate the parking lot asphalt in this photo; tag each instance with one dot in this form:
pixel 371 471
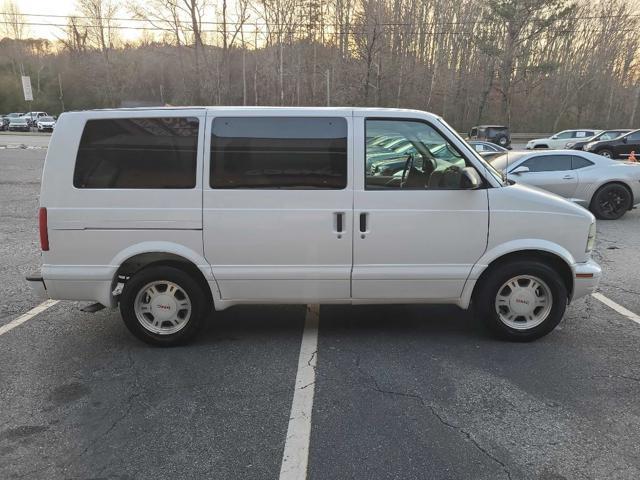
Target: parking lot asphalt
pixel 401 392
pixel 32 140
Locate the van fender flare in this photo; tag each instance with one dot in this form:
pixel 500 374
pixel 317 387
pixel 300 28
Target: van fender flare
pixel 513 246
pixel 179 250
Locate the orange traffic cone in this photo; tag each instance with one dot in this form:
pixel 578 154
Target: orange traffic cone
pixel 632 157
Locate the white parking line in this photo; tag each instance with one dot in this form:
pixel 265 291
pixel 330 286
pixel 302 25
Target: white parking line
pixel 618 308
pixel 296 447
pixel 27 316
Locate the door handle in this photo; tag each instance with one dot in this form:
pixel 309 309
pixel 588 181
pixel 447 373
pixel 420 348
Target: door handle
pixel 568 177
pixel 339 222
pixel 363 224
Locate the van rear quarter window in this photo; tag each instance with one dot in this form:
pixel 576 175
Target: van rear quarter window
pixel 138 153
pixel 279 153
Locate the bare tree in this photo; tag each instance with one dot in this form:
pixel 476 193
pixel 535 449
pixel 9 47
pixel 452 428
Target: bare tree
pixel 13 22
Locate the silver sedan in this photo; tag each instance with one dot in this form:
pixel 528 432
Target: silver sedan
pixel 606 187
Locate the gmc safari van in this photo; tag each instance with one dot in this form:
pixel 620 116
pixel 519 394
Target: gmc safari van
pixel 173 212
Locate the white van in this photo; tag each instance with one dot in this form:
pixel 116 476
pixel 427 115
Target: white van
pixel 171 212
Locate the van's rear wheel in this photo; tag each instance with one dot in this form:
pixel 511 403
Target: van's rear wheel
pixel 522 300
pixel 163 306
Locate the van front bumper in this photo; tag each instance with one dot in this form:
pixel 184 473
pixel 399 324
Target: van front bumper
pixel 586 278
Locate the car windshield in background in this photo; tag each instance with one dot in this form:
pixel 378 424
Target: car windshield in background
pixel 47 119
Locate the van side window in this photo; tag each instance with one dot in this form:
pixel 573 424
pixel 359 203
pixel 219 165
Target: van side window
pixel 279 153
pixel 419 158
pixel 138 153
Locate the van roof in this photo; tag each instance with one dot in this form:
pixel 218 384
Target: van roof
pixel 265 108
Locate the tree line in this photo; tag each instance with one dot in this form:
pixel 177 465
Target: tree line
pixel 536 65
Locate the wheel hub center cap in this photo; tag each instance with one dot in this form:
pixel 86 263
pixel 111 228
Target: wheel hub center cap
pixel 522 301
pixel 163 307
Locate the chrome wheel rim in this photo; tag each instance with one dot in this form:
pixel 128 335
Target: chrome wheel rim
pixel 523 302
pixel 162 307
pixel 606 154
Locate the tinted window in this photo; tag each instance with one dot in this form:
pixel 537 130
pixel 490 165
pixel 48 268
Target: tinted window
pixel 426 160
pixel 138 153
pixel 279 152
pixel 579 162
pixel 634 137
pixel 548 163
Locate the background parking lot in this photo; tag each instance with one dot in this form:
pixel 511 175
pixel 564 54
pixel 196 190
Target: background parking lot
pixel 400 391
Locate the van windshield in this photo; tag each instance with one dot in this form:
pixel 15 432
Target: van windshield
pixel 489 168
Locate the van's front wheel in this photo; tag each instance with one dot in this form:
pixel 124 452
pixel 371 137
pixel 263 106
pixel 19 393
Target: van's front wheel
pixel 522 300
pixel 163 306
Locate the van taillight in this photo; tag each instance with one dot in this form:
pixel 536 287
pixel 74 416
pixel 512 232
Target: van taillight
pixel 44 231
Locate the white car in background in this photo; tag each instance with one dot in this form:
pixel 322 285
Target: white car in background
pixel 560 139
pixel 46 124
pixel 33 117
pixel 608 188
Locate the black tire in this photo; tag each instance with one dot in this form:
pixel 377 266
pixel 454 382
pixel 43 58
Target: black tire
pixel 502 141
pixel 199 301
pixel 611 201
pixel 492 284
pixel 605 152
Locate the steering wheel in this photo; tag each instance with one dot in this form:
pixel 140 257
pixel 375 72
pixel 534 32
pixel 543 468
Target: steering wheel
pixel 408 165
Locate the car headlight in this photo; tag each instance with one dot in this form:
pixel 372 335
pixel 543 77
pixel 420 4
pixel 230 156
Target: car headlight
pixel 589 145
pixel 570 144
pixel 591 238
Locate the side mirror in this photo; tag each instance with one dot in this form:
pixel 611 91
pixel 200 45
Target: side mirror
pixel 625 139
pixel 471 179
pixel 519 170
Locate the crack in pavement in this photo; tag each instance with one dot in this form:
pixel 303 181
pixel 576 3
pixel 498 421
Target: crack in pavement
pixel 444 422
pixel 437 415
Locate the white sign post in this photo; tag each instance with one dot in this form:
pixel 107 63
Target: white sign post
pixel 26 88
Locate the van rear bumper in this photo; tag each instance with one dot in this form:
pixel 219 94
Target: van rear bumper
pixel 81 283
pixel 38 286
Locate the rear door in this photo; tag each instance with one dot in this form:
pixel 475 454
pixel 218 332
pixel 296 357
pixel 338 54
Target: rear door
pixel 277 204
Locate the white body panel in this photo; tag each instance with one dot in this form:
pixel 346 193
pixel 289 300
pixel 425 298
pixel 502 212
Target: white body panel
pixel 407 250
pixel 282 246
pixel 89 229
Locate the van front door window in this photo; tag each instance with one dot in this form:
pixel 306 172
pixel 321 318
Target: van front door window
pixel 420 158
